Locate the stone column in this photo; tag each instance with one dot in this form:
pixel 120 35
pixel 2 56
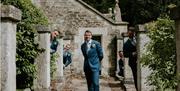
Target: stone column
pixel 42 82
pixel 117 12
pixel 142 72
pixel 59 74
pixel 9 18
pixel 176 16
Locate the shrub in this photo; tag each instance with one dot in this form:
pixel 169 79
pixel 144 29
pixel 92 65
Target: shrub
pixel 160 56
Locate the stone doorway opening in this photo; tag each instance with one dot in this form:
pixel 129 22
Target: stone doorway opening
pixel 99 39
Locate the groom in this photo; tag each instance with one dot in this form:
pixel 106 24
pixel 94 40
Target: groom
pixel 93 54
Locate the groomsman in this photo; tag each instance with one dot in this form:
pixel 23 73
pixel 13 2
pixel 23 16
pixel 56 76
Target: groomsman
pixel 129 50
pixel 93 54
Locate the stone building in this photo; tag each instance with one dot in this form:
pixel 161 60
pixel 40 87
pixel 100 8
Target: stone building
pixel 73 17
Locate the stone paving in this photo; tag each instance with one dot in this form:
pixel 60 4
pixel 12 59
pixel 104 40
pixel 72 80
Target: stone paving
pixel 79 84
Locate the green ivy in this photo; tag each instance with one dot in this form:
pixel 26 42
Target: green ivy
pixel 160 56
pixel 27 50
pixel 53 66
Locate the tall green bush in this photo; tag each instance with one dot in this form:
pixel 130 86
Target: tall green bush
pixel 53 65
pixel 27 50
pixel 160 56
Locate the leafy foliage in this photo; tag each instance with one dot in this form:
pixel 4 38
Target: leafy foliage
pixel 142 11
pixel 160 56
pixel 27 50
pixel 53 66
pixel 135 11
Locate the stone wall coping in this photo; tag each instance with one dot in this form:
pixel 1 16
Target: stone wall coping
pixel 119 37
pixel 42 28
pixel 140 29
pixel 9 12
pixel 175 13
pixel 124 34
pixel 100 14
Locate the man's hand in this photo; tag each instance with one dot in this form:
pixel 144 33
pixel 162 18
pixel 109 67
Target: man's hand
pixel 134 53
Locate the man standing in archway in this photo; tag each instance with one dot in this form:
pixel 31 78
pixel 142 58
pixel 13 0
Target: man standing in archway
pixel 93 54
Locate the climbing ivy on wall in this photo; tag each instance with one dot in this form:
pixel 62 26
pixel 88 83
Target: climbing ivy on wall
pixel 160 56
pixel 27 50
pixel 53 66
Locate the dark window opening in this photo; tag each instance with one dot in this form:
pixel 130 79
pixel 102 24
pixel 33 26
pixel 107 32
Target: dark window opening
pixel 97 38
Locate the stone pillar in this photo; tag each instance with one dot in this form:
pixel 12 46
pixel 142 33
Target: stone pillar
pixel 42 82
pixel 9 18
pixel 117 12
pixel 142 72
pixel 59 74
pixel 176 16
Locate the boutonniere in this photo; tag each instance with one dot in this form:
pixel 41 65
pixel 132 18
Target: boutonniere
pixel 93 45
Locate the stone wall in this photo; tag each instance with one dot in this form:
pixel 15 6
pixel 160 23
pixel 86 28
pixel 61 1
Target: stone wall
pixel 73 17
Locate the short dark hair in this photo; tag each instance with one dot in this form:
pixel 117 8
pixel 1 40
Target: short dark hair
pixel 120 51
pixel 87 31
pixel 57 31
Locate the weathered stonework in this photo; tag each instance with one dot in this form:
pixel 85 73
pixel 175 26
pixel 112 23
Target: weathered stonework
pixel 74 17
pixel 42 82
pixel 142 72
pixel 9 17
pixel 10 12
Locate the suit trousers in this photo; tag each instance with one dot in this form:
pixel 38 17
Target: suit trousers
pixel 134 71
pixel 92 78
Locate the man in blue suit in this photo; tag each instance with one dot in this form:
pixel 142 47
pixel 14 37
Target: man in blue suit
pixel 66 56
pixel 93 54
pixel 54 42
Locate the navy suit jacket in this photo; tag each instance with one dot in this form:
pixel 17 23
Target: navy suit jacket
pixel 93 57
pixel 128 49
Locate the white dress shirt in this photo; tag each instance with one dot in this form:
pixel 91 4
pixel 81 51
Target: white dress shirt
pixel 88 45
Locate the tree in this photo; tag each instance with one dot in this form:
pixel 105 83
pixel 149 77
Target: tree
pixel 136 11
pixel 160 55
pixel 142 11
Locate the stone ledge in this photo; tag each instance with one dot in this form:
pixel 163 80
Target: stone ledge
pixel 42 89
pixel 9 12
pixel 119 37
pixel 42 28
pixel 140 28
pixel 175 13
pixel 101 15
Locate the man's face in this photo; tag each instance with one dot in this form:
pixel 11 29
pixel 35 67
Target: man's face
pixel 87 36
pixel 130 34
pixel 55 34
pixel 120 54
